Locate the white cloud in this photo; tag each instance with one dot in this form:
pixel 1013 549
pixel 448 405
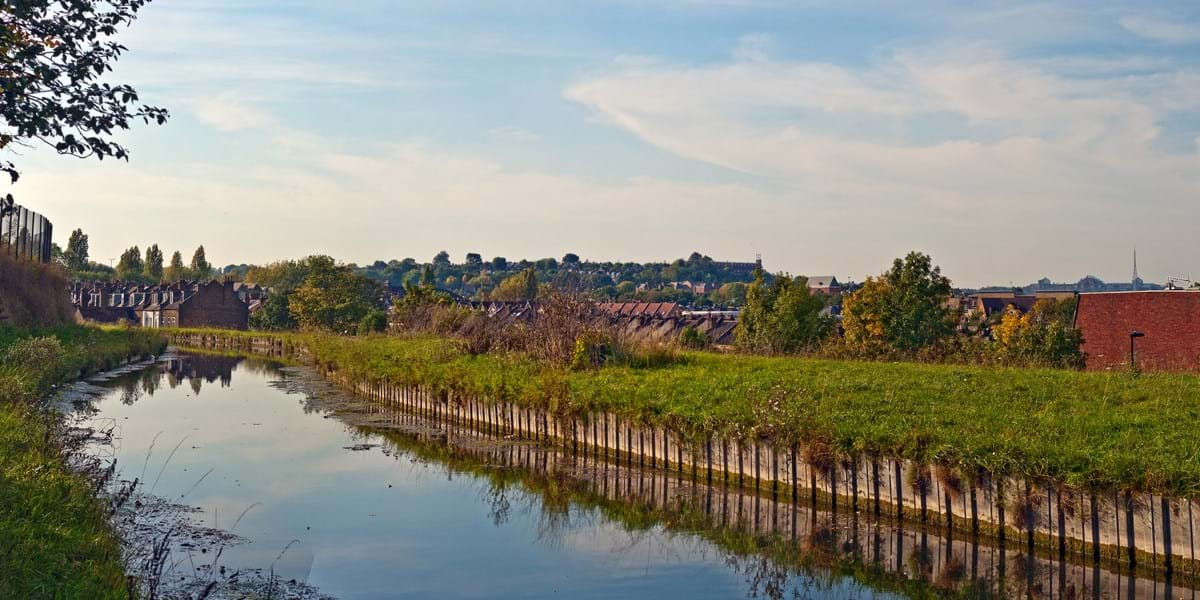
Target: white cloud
pixel 229 112
pixel 514 134
pixel 1161 30
pixel 965 137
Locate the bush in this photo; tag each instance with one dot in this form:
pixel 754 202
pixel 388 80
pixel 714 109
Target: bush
pixel 374 321
pixel 692 339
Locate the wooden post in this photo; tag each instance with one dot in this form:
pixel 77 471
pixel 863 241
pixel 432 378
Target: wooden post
pixel 875 482
pixel 1168 550
pixel 1129 529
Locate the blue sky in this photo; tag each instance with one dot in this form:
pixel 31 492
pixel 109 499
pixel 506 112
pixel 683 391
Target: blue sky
pixel 1008 140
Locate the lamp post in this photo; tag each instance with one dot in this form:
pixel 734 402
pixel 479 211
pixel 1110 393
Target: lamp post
pixel 1133 335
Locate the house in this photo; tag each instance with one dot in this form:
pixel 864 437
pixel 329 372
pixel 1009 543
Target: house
pixel 1168 321
pixel 179 304
pixel 640 309
pixel 824 284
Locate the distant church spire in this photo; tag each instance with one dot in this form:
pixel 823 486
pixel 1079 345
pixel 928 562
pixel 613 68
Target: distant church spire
pixel 1137 281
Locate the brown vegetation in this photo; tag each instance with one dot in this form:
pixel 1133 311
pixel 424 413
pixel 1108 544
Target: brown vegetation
pixel 33 294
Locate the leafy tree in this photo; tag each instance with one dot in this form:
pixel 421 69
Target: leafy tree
pixel 76 254
pixel 428 279
pixel 522 286
pixel 781 317
pixel 499 263
pixel 333 297
pixel 130 267
pixel 730 294
pixel 281 277
pixel 626 290
pixel 175 271
pixel 1046 335
pixel 54 54
pixel 442 258
pixel 570 259
pixel 474 260
pixel 274 314
pixel 903 309
pixel 153 269
pixel 200 269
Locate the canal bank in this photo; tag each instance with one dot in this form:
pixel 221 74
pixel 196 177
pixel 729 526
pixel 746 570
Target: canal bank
pixel 57 540
pixel 1052 460
pixel 361 499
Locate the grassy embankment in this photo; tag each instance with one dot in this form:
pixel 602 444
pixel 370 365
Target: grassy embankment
pixel 1090 430
pixel 55 538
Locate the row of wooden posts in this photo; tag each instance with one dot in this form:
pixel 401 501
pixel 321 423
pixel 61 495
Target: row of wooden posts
pixel 1141 530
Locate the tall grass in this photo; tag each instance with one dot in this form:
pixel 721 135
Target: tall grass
pixel 1096 430
pixel 32 293
pixel 55 536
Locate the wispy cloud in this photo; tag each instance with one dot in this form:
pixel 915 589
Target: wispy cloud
pixel 1161 30
pixel 514 134
pixel 229 112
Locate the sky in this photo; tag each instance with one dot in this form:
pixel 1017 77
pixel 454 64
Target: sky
pixel 1009 141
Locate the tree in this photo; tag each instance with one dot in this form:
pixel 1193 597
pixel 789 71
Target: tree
pixel 333 297
pixel 54 55
pixel 274 314
pixel 474 260
pixel 428 279
pixel 153 269
pixel 730 294
pixel 1044 336
pixel 175 272
pixel 76 254
pixel 903 309
pixel 281 277
pixel 130 267
pixel 442 259
pixel 200 268
pixel 570 259
pixel 522 286
pixel 781 317
pixel 499 263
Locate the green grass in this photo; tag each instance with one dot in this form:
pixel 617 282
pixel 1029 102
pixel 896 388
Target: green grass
pixel 1093 430
pixel 55 538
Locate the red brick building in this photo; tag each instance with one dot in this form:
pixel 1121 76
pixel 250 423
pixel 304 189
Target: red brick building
pixel 1170 321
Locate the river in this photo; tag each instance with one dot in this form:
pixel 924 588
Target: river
pixel 348 499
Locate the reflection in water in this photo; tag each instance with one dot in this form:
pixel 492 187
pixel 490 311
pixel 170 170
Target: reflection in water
pixel 598 528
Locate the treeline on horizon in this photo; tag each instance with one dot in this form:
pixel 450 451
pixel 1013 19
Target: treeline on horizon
pixel 478 279
pixel 133 266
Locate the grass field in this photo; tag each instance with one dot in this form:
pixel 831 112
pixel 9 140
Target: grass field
pixel 55 539
pixel 1091 430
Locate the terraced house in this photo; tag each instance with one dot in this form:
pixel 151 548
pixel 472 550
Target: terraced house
pixel 179 304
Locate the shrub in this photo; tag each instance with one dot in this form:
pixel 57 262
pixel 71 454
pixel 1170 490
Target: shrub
pixel 693 339
pixel 374 321
pixel 1044 336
